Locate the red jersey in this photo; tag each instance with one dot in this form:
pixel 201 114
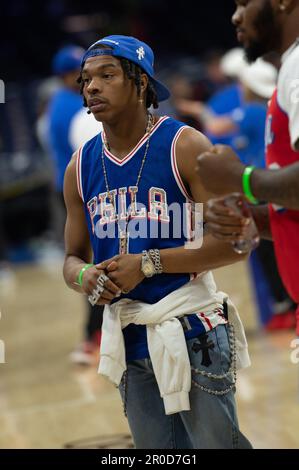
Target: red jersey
pixel 284 223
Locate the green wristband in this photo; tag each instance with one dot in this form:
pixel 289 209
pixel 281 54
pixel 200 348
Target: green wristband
pixel 246 184
pixel 80 275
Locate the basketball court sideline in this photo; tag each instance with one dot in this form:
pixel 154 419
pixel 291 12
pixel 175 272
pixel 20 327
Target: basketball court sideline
pixel 46 402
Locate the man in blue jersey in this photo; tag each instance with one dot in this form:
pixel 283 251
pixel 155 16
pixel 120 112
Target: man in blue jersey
pixel 167 342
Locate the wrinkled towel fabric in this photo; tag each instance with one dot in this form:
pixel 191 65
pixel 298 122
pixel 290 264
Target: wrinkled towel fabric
pixel 166 340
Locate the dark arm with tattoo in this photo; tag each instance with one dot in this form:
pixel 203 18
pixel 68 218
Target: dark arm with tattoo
pixel 278 186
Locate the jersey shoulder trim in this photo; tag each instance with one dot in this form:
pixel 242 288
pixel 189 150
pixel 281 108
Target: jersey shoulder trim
pixel 79 172
pixel 174 164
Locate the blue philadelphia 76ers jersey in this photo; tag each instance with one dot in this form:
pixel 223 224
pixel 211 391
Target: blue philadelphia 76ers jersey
pixel 156 212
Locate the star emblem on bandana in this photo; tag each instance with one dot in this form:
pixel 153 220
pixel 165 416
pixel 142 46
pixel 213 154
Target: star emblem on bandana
pixel 140 53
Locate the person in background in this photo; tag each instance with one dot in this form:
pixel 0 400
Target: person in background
pixel 214 79
pixel 246 126
pixel 246 121
pixel 230 96
pixel 265 27
pixel 225 99
pixel 47 88
pixel 83 127
pixel 63 108
pixel 180 87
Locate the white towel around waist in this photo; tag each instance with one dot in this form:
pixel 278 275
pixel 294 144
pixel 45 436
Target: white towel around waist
pixel 166 340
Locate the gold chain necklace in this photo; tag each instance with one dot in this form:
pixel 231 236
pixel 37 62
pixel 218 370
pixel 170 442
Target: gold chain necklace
pixel 123 234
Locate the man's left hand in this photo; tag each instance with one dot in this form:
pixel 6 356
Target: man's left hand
pixel 224 223
pixel 220 170
pixel 124 271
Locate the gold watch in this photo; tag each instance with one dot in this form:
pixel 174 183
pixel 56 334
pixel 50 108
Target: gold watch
pixel 147 266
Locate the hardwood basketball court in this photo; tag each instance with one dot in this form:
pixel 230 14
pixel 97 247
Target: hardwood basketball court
pixel 46 402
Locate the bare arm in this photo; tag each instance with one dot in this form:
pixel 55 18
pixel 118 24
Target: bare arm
pixel 220 126
pixel 280 187
pixel 77 245
pixel 213 253
pixel 217 125
pixel 78 250
pixel 221 170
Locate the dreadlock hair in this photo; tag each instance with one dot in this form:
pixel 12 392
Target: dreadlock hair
pixel 132 72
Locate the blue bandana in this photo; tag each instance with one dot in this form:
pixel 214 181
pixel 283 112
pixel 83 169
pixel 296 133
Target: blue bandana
pixel 133 50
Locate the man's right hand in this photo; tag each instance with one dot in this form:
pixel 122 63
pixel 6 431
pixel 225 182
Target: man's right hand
pixel 89 283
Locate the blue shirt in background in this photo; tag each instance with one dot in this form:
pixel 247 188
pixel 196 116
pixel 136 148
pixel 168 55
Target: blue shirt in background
pixel 249 143
pixel 224 102
pixel 63 106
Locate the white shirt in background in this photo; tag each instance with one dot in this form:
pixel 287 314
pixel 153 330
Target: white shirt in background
pixel 83 127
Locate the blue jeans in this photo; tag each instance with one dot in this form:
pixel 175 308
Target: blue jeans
pixel 212 421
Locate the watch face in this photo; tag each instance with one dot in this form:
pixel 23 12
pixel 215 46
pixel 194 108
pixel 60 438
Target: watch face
pixel 148 269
